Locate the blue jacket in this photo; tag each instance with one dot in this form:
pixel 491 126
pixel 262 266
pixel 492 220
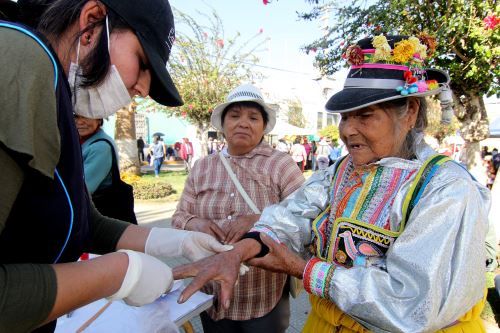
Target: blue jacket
pixel 97 161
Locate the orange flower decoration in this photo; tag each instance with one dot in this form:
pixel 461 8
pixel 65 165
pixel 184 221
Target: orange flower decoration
pixel 428 41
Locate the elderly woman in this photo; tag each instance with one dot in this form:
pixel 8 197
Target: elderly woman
pixel 97 156
pixel 213 203
pixel 391 237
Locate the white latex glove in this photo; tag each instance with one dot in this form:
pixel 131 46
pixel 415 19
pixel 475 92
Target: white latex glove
pixel 147 278
pixel 192 245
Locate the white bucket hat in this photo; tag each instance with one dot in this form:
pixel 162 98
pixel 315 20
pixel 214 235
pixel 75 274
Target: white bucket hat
pixel 244 93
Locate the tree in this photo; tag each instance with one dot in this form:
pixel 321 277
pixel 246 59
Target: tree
pixel 206 66
pixel 332 132
pixel 468 38
pixel 125 140
pixel 435 128
pixel 295 114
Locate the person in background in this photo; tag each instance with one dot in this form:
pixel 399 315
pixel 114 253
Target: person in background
pixel 298 153
pixel 157 151
pixel 389 239
pixel 212 203
pixel 282 146
pixel 307 147
pixel 89 58
pixel 334 155
pixel 323 154
pixel 97 156
pixel 314 155
pixel 186 153
pixel 140 149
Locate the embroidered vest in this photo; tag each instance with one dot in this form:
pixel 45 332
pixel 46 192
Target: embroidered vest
pixel 356 229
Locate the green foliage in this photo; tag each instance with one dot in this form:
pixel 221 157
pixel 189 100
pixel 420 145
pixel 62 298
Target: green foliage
pixel 467 48
pixel 152 190
pixel 434 127
pixel 295 114
pixel 332 132
pixel 205 65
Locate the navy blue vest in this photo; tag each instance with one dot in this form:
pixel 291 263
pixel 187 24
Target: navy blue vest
pixel 48 222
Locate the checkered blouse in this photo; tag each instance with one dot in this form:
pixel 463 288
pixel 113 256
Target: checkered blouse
pixel 268 176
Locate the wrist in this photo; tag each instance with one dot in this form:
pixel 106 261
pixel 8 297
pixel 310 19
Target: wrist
pixel 247 249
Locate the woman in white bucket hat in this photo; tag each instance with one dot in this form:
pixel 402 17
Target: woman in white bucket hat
pixel 212 203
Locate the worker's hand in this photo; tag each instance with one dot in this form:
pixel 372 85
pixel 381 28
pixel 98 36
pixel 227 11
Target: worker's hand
pixel 207 226
pixel 240 226
pixel 168 242
pixel 147 278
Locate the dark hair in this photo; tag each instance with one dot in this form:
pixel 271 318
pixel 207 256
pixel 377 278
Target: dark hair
pixel 257 106
pixel 61 14
pixel 296 141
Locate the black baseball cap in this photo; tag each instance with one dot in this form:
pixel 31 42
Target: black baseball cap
pixel 153 23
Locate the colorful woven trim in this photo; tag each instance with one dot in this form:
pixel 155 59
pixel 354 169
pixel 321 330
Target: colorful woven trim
pixel 269 232
pixel 317 277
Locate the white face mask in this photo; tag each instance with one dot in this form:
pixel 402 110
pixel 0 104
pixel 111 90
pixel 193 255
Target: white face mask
pixel 101 101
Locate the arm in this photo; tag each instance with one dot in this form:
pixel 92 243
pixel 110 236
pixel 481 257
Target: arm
pixel 435 269
pixel 97 164
pixel 290 220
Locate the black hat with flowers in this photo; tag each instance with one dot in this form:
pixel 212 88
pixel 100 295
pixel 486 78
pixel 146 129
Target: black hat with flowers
pixel 385 68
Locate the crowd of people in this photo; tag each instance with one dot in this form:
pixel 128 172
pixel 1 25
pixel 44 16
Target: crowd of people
pixel 387 235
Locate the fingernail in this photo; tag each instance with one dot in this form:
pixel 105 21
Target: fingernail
pixel 180 299
pixel 226 304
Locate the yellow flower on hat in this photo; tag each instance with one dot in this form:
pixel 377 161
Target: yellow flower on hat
pixel 403 51
pixel 379 41
pixel 382 53
pixel 420 49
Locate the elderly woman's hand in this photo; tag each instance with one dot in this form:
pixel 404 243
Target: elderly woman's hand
pixel 240 227
pixel 279 259
pixel 206 226
pixel 223 267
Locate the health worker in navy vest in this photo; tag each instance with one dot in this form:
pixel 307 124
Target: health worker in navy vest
pixel 391 237
pixel 86 57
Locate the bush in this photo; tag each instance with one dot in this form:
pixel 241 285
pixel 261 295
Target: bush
pixel 152 190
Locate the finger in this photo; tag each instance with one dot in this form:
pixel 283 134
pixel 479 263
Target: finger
pixel 271 243
pixel 219 234
pixel 226 293
pixel 196 284
pixel 185 271
pixel 232 236
pixel 237 236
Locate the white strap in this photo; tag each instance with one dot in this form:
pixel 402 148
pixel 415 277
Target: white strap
pixel 238 184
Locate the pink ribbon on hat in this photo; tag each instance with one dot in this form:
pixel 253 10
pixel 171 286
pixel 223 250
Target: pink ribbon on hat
pixel 382 66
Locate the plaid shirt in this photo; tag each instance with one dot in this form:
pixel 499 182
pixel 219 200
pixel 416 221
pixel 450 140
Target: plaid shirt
pixel 268 176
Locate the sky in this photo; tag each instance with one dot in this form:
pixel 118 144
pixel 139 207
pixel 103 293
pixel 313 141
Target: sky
pixel 279 22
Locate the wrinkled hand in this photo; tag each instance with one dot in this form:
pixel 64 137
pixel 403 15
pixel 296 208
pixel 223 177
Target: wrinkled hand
pixel 279 259
pixel 240 226
pixel 223 267
pixel 206 226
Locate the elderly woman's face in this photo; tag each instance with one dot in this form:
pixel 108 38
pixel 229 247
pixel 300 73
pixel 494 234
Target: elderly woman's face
pixel 372 133
pixel 87 126
pixel 243 128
